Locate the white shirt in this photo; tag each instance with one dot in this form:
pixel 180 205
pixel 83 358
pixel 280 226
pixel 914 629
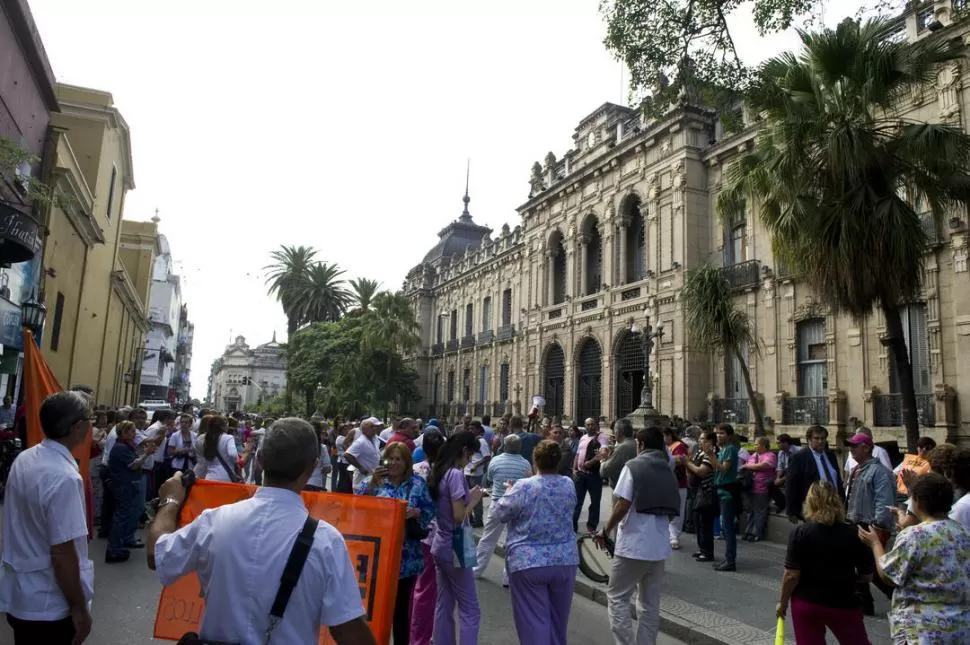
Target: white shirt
pixel 213 467
pixel 239 551
pixel 475 466
pixel 386 434
pixel 109 443
pixel 151 432
pixel 640 536
pixel 316 479
pixel 44 506
pixel 339 443
pixel 878 452
pixel 176 442
pixel 367 454
pixel 961 511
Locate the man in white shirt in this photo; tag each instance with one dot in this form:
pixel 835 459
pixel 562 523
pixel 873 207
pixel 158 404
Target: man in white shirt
pixel 364 455
pixel 646 498
pixel 475 469
pixel 241 583
pixel 47 580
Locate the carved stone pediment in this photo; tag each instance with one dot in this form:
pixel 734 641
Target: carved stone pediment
pixel 808 310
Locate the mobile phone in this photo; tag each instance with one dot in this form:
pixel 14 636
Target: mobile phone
pixel 864 525
pixel 384 462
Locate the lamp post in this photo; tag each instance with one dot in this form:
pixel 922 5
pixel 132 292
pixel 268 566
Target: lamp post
pixel 33 314
pixel 646 415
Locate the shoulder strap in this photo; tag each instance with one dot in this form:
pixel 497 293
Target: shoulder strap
pixel 291 572
pixel 233 477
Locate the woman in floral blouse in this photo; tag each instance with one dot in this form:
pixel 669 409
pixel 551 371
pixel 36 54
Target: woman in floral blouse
pixel 395 478
pixel 930 568
pixel 541 548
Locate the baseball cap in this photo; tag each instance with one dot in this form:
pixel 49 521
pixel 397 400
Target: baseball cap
pixel 859 438
pixel 374 421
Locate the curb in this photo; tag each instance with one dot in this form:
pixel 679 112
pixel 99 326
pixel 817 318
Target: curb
pixel 670 624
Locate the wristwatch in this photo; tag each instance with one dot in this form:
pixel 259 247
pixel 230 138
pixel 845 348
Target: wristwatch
pixel 169 500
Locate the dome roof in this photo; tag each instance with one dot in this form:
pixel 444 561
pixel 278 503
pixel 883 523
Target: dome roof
pixel 458 236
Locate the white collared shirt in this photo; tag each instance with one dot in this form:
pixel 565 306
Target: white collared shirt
pixel 640 536
pixel 239 551
pixel 44 506
pixel 109 443
pixel 368 455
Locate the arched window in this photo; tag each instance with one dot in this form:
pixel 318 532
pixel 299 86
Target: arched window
pixel 636 241
pixel 589 375
pixel 554 375
pixel 629 377
pixel 557 261
pixel 594 261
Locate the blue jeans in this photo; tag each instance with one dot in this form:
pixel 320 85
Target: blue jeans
pixel 728 530
pixel 125 520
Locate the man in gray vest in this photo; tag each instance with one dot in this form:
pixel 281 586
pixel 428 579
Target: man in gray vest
pixel 646 498
pixel 624 451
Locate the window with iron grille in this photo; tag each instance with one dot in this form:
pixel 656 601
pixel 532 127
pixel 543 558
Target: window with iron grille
pixel 503 383
pixel 594 262
pixel 441 329
pixel 483 384
pixel 507 307
pixel 466 385
pixel 558 274
pixel 555 381
pixel 913 317
pixel 630 373
pixel 454 324
pixel 451 386
pixel 812 358
pixel 636 246
pixel 469 324
pixel 487 314
pixel 590 381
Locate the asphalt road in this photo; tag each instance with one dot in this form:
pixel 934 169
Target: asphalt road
pixel 126 598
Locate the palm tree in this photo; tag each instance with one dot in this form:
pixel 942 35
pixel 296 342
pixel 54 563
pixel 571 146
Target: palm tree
pixel 363 291
pixel 714 325
pixel 391 326
pixel 290 267
pixel 837 171
pixel 320 295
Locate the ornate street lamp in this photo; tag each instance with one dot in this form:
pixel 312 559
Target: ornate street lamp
pixel 33 314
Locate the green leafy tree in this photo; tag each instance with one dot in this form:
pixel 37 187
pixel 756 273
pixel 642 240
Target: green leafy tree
pixel 391 326
pixel 319 295
pixel 363 292
pixel 839 173
pixel 714 324
pixel 679 50
pixel 289 269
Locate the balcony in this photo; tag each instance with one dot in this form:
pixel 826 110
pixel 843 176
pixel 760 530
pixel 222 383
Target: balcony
pixel 485 337
pixel 805 410
pixel 437 349
pixel 452 345
pixel 506 332
pixel 783 271
pixel 468 341
pixel 933 237
pixel 746 275
pixel 888 410
pixel 498 409
pixel 732 411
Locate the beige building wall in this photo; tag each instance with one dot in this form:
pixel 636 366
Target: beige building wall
pixel 666 173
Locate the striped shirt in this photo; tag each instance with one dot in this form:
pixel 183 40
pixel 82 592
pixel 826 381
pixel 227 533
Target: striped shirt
pixel 504 468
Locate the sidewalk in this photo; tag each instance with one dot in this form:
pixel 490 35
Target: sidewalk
pixel 703 607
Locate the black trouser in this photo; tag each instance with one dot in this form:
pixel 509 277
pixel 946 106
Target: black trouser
pixel 777 494
pixel 48 632
pixel 704 526
pixel 593 484
pixel 401 627
pixel 862 591
pixel 107 501
pixel 345 480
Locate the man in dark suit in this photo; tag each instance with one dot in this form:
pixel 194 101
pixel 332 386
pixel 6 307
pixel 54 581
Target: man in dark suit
pixel 809 466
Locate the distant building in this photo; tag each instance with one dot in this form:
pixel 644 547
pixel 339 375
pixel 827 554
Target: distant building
pixel 183 358
pixel 158 372
pixel 244 376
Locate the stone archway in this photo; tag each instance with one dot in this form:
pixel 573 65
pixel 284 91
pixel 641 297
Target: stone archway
pixel 589 380
pixel 554 380
pixel 629 373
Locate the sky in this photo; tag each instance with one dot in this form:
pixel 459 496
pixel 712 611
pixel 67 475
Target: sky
pixel 345 126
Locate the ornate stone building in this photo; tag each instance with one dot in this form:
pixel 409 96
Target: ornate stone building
pixel 244 376
pixel 557 306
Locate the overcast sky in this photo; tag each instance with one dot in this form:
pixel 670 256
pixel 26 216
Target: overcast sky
pixel 340 125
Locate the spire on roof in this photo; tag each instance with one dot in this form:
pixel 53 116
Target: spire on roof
pixel 465 215
pixel 274 336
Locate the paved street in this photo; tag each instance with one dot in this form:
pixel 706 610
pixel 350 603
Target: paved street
pixel 126 597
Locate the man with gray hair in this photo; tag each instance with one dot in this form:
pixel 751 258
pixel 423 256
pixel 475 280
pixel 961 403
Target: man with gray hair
pixel 262 530
pixel 624 451
pixel 48 580
pixel 503 471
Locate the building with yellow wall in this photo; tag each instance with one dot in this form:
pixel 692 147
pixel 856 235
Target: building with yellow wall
pixel 96 294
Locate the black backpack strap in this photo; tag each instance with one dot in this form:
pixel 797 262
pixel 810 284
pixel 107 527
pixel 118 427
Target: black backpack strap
pixel 291 572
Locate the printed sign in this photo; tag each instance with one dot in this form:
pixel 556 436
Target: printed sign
pixel 373 529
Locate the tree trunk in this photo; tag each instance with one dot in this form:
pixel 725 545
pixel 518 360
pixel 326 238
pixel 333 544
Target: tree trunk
pixel 759 422
pixel 309 402
pixel 291 326
pixel 904 371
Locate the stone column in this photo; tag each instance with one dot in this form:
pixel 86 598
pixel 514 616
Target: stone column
pixel 550 277
pixel 570 277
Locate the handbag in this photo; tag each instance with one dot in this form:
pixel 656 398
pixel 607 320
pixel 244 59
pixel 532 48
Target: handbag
pixel 412 526
pixel 291 575
pixel 463 547
pixel 706 497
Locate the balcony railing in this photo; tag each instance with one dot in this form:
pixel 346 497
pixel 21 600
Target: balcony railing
pixel 888 410
pixel 478 409
pixel 506 332
pixel 589 305
pixel 806 410
pixel 732 411
pixel 437 349
pixel 783 271
pixel 933 237
pixel 452 345
pixel 468 341
pixel 745 275
pixel 630 294
pixel 555 313
pixel 485 337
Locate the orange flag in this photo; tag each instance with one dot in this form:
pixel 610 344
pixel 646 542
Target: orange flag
pixel 39 383
pixel 373 528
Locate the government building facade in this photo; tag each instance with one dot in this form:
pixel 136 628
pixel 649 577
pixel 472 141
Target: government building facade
pixel 557 306
pixel 242 376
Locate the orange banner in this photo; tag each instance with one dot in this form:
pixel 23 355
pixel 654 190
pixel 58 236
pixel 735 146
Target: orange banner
pixel 910 462
pixel 373 528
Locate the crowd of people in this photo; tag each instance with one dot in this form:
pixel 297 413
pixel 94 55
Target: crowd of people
pixel 903 529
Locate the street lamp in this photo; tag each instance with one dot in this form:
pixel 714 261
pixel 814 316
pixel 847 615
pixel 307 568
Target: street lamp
pixel 33 314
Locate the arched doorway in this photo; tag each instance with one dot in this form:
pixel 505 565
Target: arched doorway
pixel 629 373
pixel 554 381
pixel 589 381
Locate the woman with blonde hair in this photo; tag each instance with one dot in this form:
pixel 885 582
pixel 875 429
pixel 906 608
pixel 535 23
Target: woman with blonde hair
pixel 823 563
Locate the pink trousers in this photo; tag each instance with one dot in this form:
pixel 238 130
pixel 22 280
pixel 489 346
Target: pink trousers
pixel 423 600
